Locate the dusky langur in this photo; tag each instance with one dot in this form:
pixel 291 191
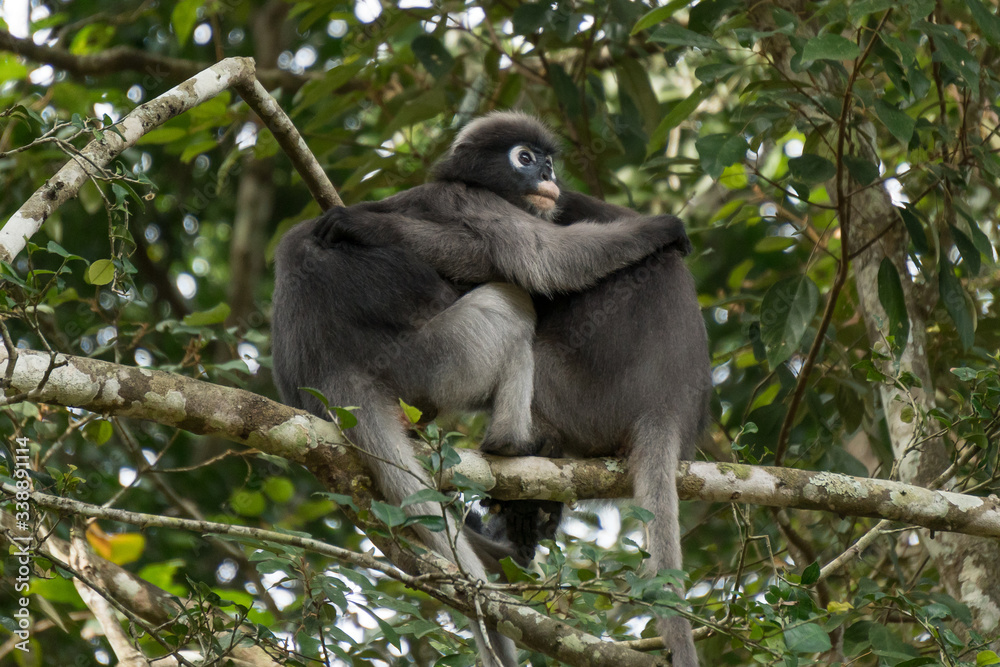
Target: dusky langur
pixel 372 304
pixel 620 367
pixel 623 368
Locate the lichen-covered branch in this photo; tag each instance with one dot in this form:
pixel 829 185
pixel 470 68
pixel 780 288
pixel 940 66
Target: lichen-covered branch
pixel 150 603
pixel 236 73
pixel 281 126
pixel 240 416
pixel 173 400
pixel 276 429
pixel 98 153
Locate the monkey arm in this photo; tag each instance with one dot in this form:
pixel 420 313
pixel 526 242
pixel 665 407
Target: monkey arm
pixel 472 235
pixel 576 206
pixel 574 257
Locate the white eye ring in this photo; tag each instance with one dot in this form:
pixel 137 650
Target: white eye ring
pixel 520 157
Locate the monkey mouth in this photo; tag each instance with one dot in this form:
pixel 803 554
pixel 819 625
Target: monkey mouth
pixel 544 197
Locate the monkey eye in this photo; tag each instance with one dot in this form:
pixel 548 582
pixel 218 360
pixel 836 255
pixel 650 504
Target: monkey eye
pixel 521 156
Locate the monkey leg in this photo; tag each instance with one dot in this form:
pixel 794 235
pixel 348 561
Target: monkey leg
pixel 477 354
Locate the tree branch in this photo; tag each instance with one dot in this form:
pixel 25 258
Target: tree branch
pixel 237 73
pixel 240 416
pixel 147 602
pixel 157 68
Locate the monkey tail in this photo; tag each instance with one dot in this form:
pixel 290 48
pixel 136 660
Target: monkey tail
pixel 659 440
pixel 398 474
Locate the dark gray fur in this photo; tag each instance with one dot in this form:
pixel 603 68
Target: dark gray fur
pixel 623 368
pixel 371 305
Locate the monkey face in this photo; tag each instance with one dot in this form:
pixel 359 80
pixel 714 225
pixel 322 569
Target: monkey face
pixel 533 170
pixel 510 154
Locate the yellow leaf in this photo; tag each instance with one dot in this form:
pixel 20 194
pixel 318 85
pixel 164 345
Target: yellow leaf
pixel 120 548
pixel 839 607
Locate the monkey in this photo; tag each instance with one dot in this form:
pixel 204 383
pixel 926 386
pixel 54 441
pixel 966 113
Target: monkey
pixel 442 318
pixel 621 367
pixel 638 336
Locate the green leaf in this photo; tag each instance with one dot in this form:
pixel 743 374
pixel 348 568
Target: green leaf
pixel 677 115
pixel 565 89
pixel 675 35
pixel 318 395
pixel 950 50
pixel 863 171
pixel 985 658
pixel 100 272
pixel 390 515
pixel 57 249
pixel 423 107
pixel 280 489
pixel 830 47
pixel 954 299
pixel 900 125
pixel 811 574
pixel 786 311
pixel 247 502
pixel 890 294
pixel 426 496
pixel 640 513
pixel 98 432
pixel 341 499
pixel 433 55
pixel 968 250
pixel 916 230
pixel 712 72
pixel 91 39
pixel 412 413
pixel 658 15
pixel 774 244
pixel 387 630
pixel 432 522
pixel 530 17
pixel 183 18
pixel 10 68
pixel 806 638
pixel 865 7
pixel 811 169
pixel 193 150
pixel 734 177
pixel 634 80
pixel 979 238
pixel 215 315
pixel 718 151
pixel 345 418
pixel 988 22
pixel 513 572
pixel 964 373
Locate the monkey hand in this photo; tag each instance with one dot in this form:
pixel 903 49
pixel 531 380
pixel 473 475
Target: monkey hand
pixel 671 231
pixel 352 225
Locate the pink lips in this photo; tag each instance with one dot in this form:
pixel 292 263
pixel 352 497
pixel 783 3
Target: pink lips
pixel 548 189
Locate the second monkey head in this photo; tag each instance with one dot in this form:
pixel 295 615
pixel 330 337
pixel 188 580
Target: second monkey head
pixel 508 153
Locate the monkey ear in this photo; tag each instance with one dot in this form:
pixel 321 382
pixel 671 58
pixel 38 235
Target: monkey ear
pixel 337 225
pixel 684 245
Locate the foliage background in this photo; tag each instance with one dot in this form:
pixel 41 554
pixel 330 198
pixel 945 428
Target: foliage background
pixel 734 116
